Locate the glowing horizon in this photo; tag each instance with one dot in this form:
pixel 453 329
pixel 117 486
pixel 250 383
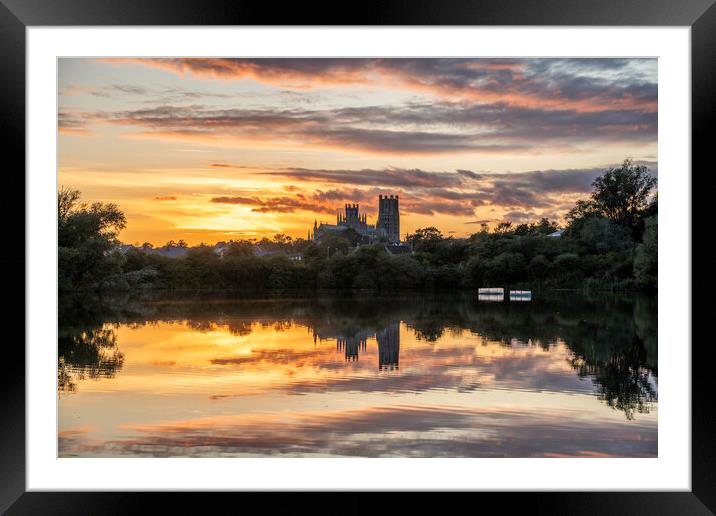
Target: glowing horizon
pixel 215 149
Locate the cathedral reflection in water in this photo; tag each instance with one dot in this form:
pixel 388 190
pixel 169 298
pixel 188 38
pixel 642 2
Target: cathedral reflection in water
pixel 353 343
pixel 388 346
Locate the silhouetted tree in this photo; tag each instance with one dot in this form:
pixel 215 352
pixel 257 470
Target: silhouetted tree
pixel 621 194
pixel 86 240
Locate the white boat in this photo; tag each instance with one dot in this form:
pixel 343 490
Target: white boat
pixel 520 295
pixel 491 294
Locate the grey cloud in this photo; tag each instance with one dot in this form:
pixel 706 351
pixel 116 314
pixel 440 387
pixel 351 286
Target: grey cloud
pixel 455 193
pixel 164 94
pixel 396 177
pixel 535 77
pixel 413 128
pixel 274 204
pixel 70 121
pixel 440 183
pixel 520 216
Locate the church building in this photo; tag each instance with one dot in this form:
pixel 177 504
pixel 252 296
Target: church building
pixel 386 229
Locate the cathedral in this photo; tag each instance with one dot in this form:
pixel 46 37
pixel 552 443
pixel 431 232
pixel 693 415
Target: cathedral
pixel 386 228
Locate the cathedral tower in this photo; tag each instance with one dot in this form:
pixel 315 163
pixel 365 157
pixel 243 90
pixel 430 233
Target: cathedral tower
pixel 389 217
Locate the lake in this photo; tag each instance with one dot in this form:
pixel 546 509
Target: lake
pixel 415 375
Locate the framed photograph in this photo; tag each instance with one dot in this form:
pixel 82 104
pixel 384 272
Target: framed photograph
pixel 413 250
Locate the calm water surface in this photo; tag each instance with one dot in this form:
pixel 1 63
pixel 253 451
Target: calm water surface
pixel 406 376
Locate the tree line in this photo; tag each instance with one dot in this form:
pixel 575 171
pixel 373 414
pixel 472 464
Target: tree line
pixel 609 241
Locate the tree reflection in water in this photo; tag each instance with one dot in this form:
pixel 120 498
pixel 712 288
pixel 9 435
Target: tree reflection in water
pixel 87 353
pixel 87 346
pixel 622 380
pixel 612 338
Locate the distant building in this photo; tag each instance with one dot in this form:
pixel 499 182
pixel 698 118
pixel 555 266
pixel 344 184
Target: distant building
pixel 389 217
pixel 168 251
pixel 386 229
pixel 557 233
pixel 171 251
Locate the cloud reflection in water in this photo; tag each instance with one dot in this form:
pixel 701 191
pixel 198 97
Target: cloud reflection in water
pixel 399 377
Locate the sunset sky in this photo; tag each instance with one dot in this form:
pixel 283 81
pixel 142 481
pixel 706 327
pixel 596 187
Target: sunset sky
pixel 215 149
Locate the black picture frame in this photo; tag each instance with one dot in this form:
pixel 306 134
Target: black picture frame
pixel 17 15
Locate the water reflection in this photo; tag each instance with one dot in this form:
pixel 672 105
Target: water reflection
pixel 187 376
pixel 351 343
pixel 389 347
pixel 86 353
